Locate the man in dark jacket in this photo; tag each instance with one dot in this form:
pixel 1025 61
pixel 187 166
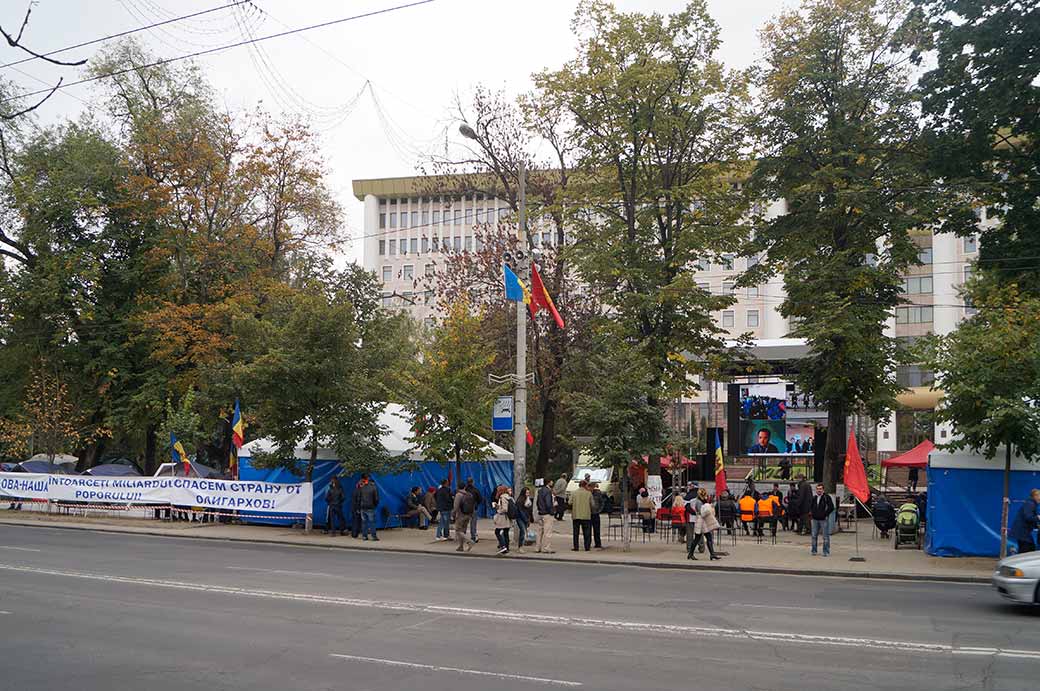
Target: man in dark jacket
pixel 545 517
pixel 1025 522
pixel 355 511
pixel 727 511
pixel 334 497
pixel 597 503
pixel 368 499
pixel 805 499
pixel 821 507
pixel 416 510
pixel 472 490
pixel 444 500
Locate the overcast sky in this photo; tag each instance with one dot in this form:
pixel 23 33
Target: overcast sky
pixel 416 59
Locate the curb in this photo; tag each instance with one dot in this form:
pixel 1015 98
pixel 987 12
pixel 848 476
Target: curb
pixel 871 575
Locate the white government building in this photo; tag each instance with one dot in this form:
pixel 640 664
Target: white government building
pixel 406 232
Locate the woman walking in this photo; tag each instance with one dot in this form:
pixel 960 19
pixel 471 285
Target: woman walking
pixel 502 520
pixel 524 507
pixel 704 527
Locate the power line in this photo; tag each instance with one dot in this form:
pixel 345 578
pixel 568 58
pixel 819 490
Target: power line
pixel 127 33
pixel 218 49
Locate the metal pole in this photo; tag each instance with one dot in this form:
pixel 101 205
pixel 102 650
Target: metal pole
pixel 520 426
pixel 1005 504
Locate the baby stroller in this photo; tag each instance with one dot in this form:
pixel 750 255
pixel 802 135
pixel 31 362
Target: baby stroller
pixel 908 526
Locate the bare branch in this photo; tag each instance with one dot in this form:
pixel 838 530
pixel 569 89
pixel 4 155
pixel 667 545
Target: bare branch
pixel 12 116
pixel 15 42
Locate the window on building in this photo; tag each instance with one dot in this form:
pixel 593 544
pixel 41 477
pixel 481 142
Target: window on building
pixel 407 299
pixel 413 245
pixel 404 245
pixel 971 244
pixel 382 248
pixel 914 314
pixel 408 272
pixel 393 247
pixel 546 239
pixel 428 270
pixel 469 243
pixel 478 243
pixel 469 217
pixel 393 220
pixel 436 216
pixel 388 273
pixel 753 260
pixel 382 202
pixel 480 215
pixel 727 319
pixel 458 217
pixel 700 265
pixel 752 291
pixel 913 427
pixel 457 244
pixel 913 376
pixel 727 261
pixel 382 220
pixel 434 246
pixel 924 255
pixel 917 285
pixel 404 219
pixel 425 245
pixel 426 218
pixel 428 296
pixel 728 287
pixel 415 219
pixel 752 317
pixel 386 299
pixel 704 285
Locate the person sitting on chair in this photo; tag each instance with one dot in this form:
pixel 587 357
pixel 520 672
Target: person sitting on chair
pixel 884 516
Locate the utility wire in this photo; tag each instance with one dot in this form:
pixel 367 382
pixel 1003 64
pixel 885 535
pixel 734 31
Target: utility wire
pixel 127 33
pixel 218 49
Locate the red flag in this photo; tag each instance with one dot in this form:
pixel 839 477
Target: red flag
pixel 530 437
pixel 540 297
pixel 855 473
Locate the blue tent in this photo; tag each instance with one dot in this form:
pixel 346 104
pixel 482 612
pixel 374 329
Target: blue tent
pixel 965 494
pixel 496 470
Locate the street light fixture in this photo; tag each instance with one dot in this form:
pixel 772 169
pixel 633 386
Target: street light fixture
pixel 523 270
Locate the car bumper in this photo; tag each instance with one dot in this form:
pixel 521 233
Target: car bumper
pixel 1016 589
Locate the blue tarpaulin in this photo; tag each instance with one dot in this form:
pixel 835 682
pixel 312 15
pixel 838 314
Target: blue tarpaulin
pixel 392 488
pixel 964 507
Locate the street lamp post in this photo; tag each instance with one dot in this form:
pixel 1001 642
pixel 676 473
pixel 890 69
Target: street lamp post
pixel 523 270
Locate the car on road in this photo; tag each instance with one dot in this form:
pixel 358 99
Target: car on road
pixel 1018 578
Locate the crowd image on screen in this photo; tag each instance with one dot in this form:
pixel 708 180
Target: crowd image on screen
pixel 762 407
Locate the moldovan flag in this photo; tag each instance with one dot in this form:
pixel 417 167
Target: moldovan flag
pixel 720 467
pixel 540 297
pixel 238 438
pixel 179 454
pixel 855 473
pixel 515 289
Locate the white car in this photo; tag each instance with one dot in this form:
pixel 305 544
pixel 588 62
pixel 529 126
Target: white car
pixel 1018 578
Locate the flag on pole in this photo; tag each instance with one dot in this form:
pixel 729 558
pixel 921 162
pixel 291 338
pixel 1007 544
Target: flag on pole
pixel 530 437
pixel 855 473
pixel 238 428
pixel 179 454
pixel 540 297
pixel 720 467
pixel 515 289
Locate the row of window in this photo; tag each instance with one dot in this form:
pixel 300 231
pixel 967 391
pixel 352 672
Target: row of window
pixel 728 288
pixel 458 217
pixel 407 272
pixel 914 314
pixel 416 201
pixel 468 243
pixel 407 298
pixel 729 318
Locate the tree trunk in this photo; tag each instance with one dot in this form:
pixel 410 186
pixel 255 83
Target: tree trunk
pixel 149 451
pixel 832 454
pixel 545 444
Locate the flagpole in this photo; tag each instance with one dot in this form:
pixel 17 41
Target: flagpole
pixel 856 518
pixel 520 409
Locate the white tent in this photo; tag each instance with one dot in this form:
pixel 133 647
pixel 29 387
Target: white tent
pixel 59 459
pixel 398 424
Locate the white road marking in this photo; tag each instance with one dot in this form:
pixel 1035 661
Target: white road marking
pixel 673 631
pixel 456 670
pixel 281 571
pixel 797 609
pixel 3 611
pixel 20 549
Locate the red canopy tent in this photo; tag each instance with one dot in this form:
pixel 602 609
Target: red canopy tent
pixel 916 457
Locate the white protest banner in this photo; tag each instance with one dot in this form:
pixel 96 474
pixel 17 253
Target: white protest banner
pixel 239 495
pixel 24 485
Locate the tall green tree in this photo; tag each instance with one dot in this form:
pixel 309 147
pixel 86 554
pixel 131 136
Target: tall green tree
pixel 982 104
pixel 658 128
pixel 841 143
pixel 318 368
pixel 450 399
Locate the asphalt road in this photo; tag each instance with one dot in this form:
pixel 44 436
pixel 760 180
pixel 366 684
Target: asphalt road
pixel 96 612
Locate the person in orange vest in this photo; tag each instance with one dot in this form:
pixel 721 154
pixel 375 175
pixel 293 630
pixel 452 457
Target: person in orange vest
pixel 748 511
pixel 767 510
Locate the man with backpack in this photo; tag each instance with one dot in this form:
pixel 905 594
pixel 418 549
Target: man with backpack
pixel 477 501
pixel 463 509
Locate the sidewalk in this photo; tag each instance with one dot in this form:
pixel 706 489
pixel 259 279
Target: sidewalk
pixel 789 556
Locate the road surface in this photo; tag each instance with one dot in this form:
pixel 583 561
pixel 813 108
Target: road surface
pixel 95 612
